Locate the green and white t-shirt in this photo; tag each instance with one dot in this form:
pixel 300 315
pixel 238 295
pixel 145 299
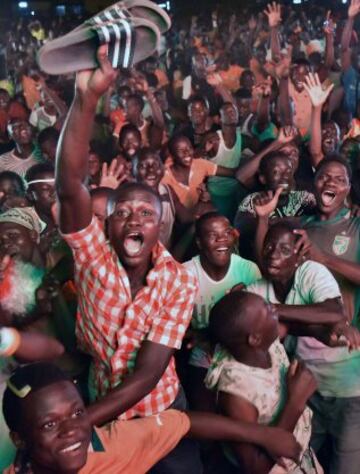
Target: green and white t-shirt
pixel 211 291
pixel 340 237
pixel 336 370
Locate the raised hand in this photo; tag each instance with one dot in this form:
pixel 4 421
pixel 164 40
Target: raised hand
pixel 329 25
pixel 266 203
pixel 317 94
pixel 306 249
pixel 287 134
pixel 112 176
pixel 94 83
pixel 354 8
pixel 273 13
pixel 263 89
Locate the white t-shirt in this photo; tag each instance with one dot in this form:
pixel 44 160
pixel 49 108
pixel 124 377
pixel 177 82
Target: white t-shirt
pixel 10 162
pixel 336 370
pixel 211 291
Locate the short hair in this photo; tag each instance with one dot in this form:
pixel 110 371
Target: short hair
pixel 301 62
pixel 199 98
pixel 243 93
pixel 129 128
pixel 27 378
pixel 267 159
pixel 226 317
pixel 129 187
pixel 146 151
pixel 284 225
pixel 11 176
pixel 38 169
pixel 137 98
pixel 334 158
pixel 173 141
pixel 200 223
pixel 48 134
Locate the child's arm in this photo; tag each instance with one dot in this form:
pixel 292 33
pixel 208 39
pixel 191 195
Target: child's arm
pixel 253 459
pixel 353 11
pixel 273 14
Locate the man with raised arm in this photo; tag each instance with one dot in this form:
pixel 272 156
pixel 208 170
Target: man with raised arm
pixel 135 301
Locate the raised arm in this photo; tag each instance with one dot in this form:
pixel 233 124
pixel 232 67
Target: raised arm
pixel 329 30
pixel 353 10
pixel 273 13
pixel 318 97
pixel 282 70
pixel 248 168
pixel 72 154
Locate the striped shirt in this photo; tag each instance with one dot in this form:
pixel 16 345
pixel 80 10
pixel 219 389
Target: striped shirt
pixel 10 162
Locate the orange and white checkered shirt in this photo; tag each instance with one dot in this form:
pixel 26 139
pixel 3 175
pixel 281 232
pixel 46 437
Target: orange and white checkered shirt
pixel 111 326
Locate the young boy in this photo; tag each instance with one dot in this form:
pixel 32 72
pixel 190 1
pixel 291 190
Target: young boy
pixel 249 374
pixel 217 270
pixel 53 432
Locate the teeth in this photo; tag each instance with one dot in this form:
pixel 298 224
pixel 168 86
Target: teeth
pixel 222 249
pixel 327 197
pixel 71 448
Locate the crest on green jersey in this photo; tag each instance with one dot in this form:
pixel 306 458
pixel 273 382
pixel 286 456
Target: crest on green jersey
pixel 340 244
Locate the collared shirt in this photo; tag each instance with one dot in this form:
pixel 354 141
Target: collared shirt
pixel 111 326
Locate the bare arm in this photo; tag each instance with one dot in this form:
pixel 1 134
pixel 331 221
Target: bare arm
pixel 151 362
pixel 353 11
pixel 329 312
pixel 318 97
pixel 273 13
pixel 72 154
pixel 329 31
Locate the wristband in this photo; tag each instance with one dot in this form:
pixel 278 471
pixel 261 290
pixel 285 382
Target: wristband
pixel 9 341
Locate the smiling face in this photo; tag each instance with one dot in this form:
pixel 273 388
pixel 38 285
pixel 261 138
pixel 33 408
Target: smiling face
pixel 183 152
pixel 279 172
pixel 332 186
pixel 150 170
pixel 198 113
pixel 279 259
pixel 130 143
pixel 330 137
pixel 56 429
pixel 17 241
pixel 297 75
pixel 21 132
pixel 134 226
pixel 216 241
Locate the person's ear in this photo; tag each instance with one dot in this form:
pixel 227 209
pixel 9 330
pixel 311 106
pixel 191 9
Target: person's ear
pixel 262 179
pixel 17 440
pixel 30 196
pixel 254 340
pixel 198 243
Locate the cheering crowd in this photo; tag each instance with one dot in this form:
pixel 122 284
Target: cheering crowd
pixel 179 250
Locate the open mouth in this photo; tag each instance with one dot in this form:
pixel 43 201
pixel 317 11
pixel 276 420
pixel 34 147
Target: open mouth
pixel 133 244
pixel 187 160
pixel 222 250
pixel 71 449
pixel 327 197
